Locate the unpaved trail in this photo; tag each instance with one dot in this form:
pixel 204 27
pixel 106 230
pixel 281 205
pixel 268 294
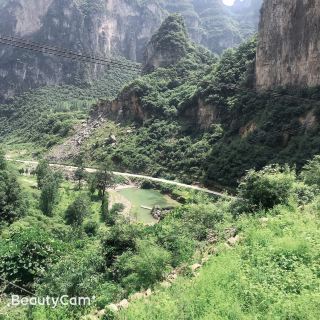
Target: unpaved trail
pixel 131 175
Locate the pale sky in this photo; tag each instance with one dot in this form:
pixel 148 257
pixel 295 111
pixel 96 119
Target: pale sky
pixel 228 2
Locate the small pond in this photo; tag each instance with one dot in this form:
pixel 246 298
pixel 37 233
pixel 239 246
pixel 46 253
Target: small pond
pixel 146 198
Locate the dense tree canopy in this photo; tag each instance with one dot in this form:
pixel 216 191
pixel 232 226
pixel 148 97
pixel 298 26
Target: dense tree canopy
pixel 12 203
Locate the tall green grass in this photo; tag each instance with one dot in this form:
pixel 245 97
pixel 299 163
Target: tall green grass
pixel 274 273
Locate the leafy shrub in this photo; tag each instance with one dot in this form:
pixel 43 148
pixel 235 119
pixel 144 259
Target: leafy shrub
pixel 120 238
pixel 267 188
pixel 113 214
pixel 303 193
pixel 311 172
pixel 77 273
pixel 173 235
pixel 91 228
pixel 26 255
pixel 201 219
pixel 142 268
pixel 77 211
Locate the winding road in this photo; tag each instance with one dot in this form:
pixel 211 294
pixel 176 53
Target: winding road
pixel 131 175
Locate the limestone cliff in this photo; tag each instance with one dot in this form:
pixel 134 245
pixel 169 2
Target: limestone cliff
pixel 289 44
pixel 105 27
pixel 166 47
pixel 97 27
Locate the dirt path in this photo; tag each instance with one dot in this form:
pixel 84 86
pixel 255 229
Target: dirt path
pixel 130 175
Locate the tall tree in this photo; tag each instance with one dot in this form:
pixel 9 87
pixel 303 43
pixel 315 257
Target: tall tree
pixel 43 169
pixel 105 208
pixel 311 172
pixel 77 211
pixel 80 173
pixel 3 163
pixel 104 179
pixel 50 192
pixel 92 183
pixel 12 204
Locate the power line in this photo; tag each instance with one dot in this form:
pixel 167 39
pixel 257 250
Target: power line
pixel 68 52
pixel 70 57
pixel 64 53
pixel 55 50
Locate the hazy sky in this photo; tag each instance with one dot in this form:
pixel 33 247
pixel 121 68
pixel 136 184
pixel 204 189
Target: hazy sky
pixel 229 2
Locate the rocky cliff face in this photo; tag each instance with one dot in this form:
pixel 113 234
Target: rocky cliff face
pixel 216 26
pixel 99 27
pixel 169 48
pixel 289 45
pixel 104 27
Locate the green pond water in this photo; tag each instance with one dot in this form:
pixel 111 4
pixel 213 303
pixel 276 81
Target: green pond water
pixel 147 198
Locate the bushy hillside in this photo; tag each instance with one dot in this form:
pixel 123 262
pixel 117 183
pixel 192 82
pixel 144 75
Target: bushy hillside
pixel 272 274
pixel 46 116
pixel 59 237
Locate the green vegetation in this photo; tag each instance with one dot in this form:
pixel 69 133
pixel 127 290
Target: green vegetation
pixel 272 274
pixel 49 184
pixel 170 43
pixel 203 121
pixel 26 254
pixel 12 204
pixel 267 188
pixel 311 172
pixel 74 251
pixel 77 211
pixel 46 116
pixel 200 121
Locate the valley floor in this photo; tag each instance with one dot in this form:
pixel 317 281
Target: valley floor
pixel 130 175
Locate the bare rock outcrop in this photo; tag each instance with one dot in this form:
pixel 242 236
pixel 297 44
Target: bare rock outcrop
pixel 71 147
pixel 288 51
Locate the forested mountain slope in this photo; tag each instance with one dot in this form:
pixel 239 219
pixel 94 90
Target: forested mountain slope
pixel 46 116
pixel 201 119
